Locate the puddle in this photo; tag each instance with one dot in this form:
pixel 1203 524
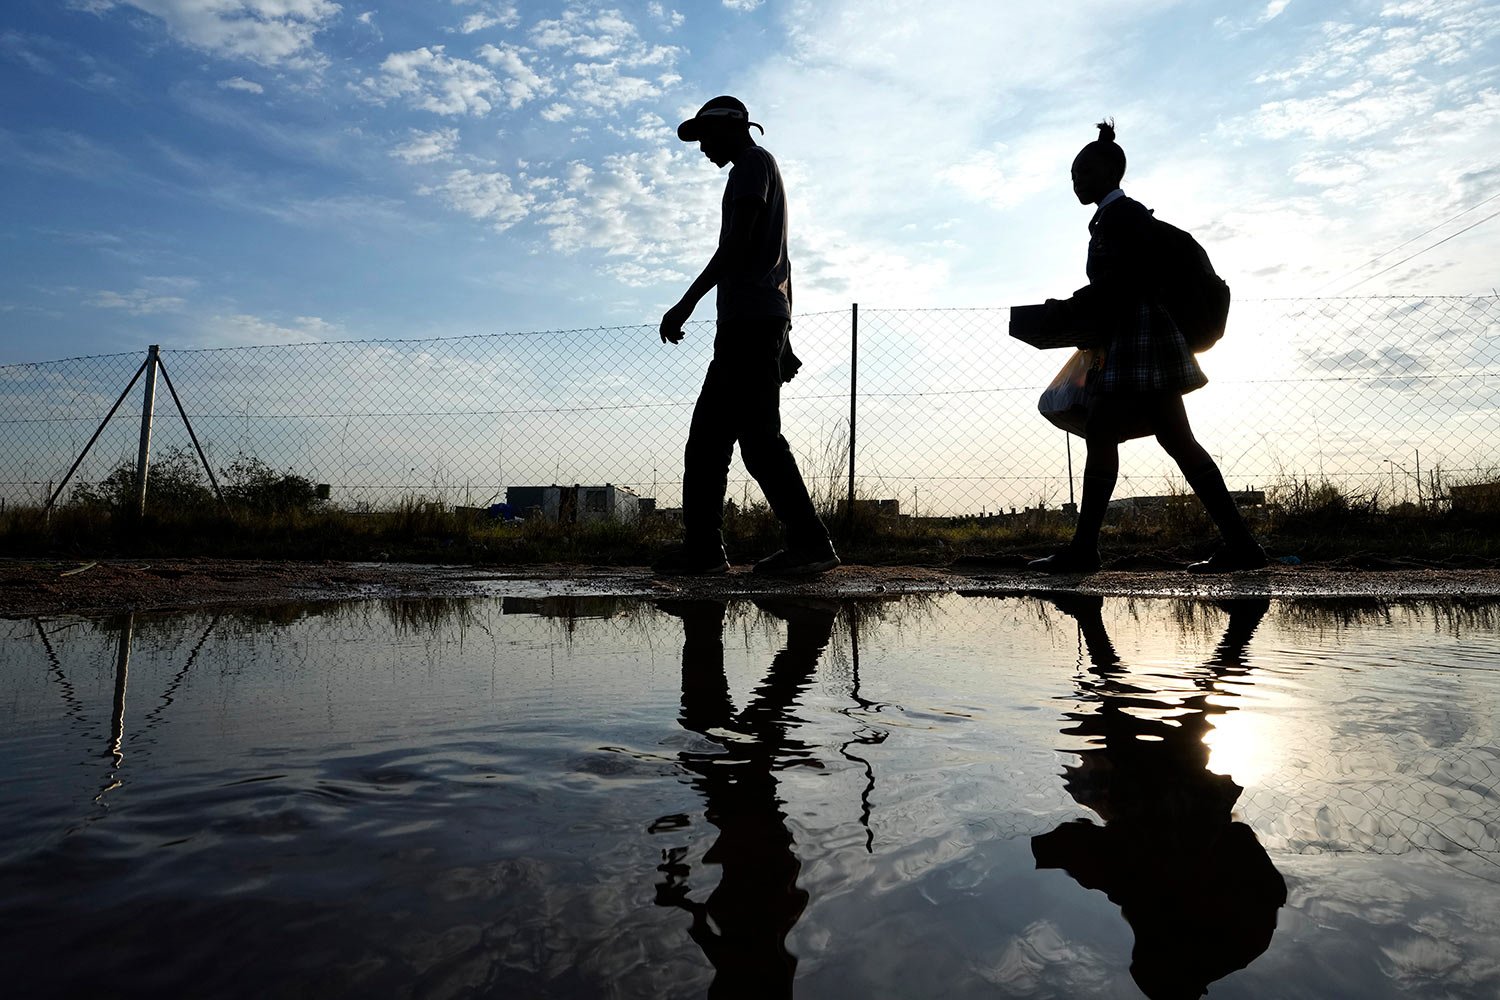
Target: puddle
pixel 602 797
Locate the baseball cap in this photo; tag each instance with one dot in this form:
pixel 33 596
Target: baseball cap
pixel 718 109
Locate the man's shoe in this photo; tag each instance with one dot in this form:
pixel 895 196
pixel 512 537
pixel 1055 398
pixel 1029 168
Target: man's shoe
pixel 1068 560
pixel 683 561
pixel 1231 558
pixel 798 562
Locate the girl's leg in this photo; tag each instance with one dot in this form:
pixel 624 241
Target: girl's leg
pixel 1101 469
pixel 1169 421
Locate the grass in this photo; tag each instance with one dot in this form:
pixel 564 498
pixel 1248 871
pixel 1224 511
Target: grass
pixel 1311 520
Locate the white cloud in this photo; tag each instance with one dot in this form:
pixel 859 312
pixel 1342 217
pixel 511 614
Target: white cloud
pixel 648 212
pixel 1376 112
pixel 1329 171
pixel 58 58
pixel 55 151
pixel 240 83
pixel 427 147
pixel 670 20
pixel 137 302
pixel 1273 10
pixel 350 212
pixel 172 282
pixel 881 120
pixel 478 22
pixel 504 16
pixel 432 80
pixel 613 66
pixel 603 85
pixel 649 128
pixel 1356 112
pixel 941 60
pixel 268 32
pixel 1234 27
pixel 367 25
pixel 1000 176
pixel 521 83
pixel 743 6
pixel 832 265
pixel 488 197
pixel 19 47
pixel 245 330
pixel 556 112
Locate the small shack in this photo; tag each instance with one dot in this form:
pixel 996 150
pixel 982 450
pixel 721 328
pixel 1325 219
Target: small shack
pixel 575 504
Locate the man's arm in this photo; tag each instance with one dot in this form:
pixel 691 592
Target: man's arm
pixel 727 259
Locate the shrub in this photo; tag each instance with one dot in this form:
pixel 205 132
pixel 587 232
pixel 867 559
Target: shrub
pixel 250 483
pixel 175 483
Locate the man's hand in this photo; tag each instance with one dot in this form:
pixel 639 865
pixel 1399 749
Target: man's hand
pixel 671 323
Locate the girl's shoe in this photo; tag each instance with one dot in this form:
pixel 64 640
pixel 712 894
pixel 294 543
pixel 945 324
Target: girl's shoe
pixel 683 561
pixel 1232 558
pixel 1068 560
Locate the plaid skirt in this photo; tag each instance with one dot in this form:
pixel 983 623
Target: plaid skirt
pixel 1147 353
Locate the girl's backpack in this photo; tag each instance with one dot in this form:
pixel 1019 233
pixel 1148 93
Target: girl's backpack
pixel 1186 285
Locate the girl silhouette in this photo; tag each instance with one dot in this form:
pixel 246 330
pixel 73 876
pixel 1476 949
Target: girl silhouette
pixel 1147 369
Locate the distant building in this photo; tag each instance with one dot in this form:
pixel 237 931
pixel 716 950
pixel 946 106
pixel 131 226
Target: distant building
pixel 575 504
pixel 873 508
pixel 1152 505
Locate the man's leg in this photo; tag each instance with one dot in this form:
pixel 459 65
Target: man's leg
pixel 768 457
pixel 705 459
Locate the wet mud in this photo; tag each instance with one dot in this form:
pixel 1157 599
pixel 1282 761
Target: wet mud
pixel 33 587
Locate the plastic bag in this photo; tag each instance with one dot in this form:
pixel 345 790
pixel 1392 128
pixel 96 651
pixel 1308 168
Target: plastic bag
pixel 1067 400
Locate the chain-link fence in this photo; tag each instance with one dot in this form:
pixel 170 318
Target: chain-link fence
pixel 1390 398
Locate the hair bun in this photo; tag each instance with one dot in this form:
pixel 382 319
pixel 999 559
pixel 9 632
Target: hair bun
pixel 1106 130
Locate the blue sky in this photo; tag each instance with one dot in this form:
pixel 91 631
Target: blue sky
pixel 219 172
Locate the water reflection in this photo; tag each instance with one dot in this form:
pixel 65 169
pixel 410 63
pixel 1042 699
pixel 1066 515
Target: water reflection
pixel 1195 885
pixel 448 798
pixel 743 925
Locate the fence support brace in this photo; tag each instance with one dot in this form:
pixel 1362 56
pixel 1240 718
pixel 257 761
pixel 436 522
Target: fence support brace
pixel 97 431
pixel 191 433
pixel 150 367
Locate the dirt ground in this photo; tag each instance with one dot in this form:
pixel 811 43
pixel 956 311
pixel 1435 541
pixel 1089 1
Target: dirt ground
pixel 39 587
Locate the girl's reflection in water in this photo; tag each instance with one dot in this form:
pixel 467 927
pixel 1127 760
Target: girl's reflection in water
pixel 742 926
pixel 1195 885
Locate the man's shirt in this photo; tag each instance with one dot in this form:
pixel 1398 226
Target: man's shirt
pixel 762 283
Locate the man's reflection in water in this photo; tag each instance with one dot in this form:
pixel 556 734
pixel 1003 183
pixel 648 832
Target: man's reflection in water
pixel 1196 886
pixel 742 926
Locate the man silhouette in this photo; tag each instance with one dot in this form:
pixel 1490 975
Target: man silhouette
pixel 742 925
pixel 741 395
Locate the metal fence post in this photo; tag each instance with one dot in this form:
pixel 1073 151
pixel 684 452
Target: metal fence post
pixel 853 398
pixel 148 406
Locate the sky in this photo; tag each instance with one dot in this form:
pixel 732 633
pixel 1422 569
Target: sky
pixel 203 173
